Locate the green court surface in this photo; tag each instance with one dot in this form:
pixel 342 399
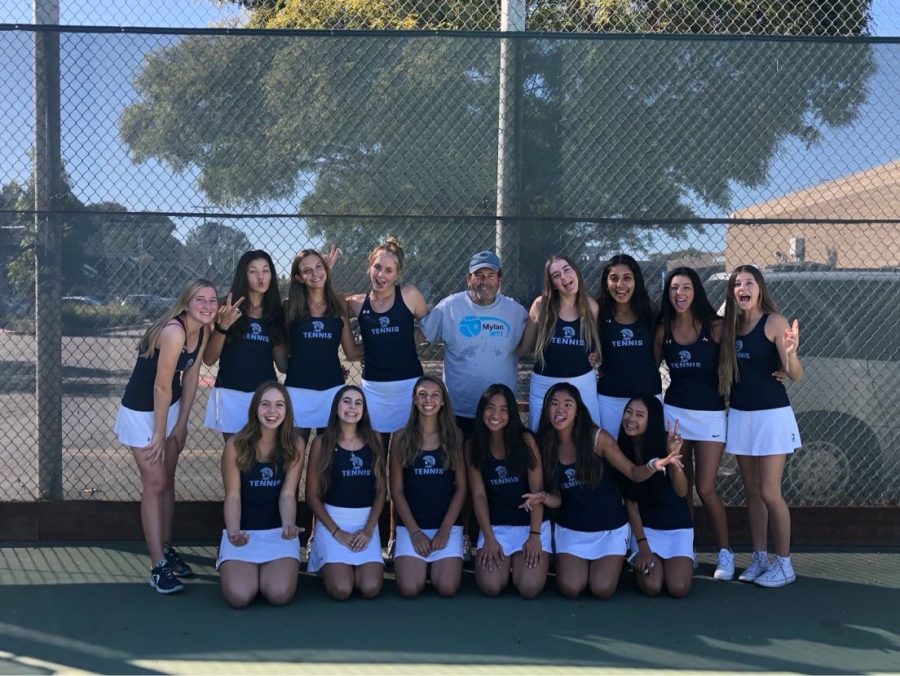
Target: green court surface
pixel 88 608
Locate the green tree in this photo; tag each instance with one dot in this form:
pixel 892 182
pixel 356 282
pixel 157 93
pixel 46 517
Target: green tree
pixel 212 250
pixel 383 135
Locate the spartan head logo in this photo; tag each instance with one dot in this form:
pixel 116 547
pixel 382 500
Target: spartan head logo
pixel 568 332
pixel 266 473
pixel 384 321
pixel 255 328
pixel 428 460
pixel 570 474
pixel 627 334
pixel 318 326
pixel 502 472
pixel 739 345
pixel 356 461
pixel 684 355
pixel 190 362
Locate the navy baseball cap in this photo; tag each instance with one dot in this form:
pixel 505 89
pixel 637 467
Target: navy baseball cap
pixel 484 259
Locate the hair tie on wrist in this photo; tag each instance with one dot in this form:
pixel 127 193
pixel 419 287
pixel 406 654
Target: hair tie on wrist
pixel 640 540
pixel 334 532
pixel 535 532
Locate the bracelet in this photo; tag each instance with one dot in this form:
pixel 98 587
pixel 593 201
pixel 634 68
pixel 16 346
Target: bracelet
pixel 640 540
pixel 218 329
pixel 334 532
pixel 417 530
pixel 651 464
pixel 535 532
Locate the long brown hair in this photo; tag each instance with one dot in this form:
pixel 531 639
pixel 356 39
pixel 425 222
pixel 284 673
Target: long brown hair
pixel 150 340
pixel 550 311
pixel 407 443
pixel 363 430
pixel 728 366
pixel 245 441
pixel 296 307
pixel 392 246
pixel 588 465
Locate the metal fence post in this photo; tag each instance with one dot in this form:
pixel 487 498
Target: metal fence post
pixel 48 253
pixel 512 18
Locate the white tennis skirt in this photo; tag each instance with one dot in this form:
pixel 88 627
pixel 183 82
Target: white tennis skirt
pixel 696 425
pixel 135 428
pixel 312 407
pixel 611 411
pixel 227 410
pixel 403 544
pixel 667 544
pixel 389 403
pixel 586 384
pixel 772 431
pixel 326 549
pixel 512 538
pixel 591 545
pixel 262 546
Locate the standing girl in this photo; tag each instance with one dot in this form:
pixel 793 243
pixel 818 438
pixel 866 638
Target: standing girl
pixel 627 324
pixel 153 418
pixel 688 338
pixel 504 465
pixel 387 315
pixel 346 485
pixel 248 336
pixel 428 488
pixel 317 324
pixel 762 429
pixel 661 528
pixel 260 550
pixel 591 533
pixel 562 331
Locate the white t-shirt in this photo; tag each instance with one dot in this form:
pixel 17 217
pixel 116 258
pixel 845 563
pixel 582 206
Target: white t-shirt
pixel 480 344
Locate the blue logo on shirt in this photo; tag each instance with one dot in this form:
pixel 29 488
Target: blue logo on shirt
pixel 471 326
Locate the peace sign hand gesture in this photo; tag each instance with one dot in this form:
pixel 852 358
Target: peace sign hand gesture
pixel 228 312
pixel 792 337
pixel 673 446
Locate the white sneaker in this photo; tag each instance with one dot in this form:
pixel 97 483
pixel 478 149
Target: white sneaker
pixel 724 565
pixel 759 564
pixel 779 574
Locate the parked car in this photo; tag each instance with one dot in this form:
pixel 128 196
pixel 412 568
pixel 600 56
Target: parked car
pixel 149 305
pixel 80 301
pixel 848 401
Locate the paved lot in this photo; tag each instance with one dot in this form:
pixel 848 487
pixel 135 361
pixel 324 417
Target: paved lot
pixel 88 607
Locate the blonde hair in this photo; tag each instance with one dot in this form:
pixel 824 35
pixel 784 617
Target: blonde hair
pixel 549 312
pixel 392 246
pixel 728 365
pixel 150 340
pixel 407 443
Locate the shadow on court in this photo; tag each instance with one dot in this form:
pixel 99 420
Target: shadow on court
pixel 89 607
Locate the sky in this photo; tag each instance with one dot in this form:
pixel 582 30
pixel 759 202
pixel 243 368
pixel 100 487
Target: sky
pixel 100 170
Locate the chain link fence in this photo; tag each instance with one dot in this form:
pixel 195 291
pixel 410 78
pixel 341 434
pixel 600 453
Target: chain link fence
pixel 182 149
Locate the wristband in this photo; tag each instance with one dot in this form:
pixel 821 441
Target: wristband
pixel 534 532
pixel 218 329
pixel 640 540
pixel 334 532
pixel 651 464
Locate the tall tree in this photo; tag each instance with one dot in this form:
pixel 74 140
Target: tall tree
pixel 212 250
pixel 381 134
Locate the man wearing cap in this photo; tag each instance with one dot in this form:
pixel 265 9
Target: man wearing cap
pixel 481 330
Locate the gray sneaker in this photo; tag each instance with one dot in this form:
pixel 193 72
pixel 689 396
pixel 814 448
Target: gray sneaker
pixel 759 564
pixel 779 574
pixel 724 565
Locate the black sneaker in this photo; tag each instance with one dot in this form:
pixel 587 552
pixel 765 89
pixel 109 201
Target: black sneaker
pixel 175 562
pixel 163 580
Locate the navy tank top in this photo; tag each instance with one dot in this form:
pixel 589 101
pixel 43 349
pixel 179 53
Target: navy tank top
pixel 352 478
pixel 389 342
pixel 660 506
pixel 246 361
pixel 694 370
pixel 314 362
pixel 586 508
pixel 504 493
pixel 755 389
pixel 260 489
pixel 629 366
pixel 139 391
pixel 428 488
pixel 565 355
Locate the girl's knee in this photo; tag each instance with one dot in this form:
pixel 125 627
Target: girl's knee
pixel 528 589
pixel 678 589
pixel 410 588
pixel 340 590
pixel 571 589
pixel 446 587
pixel 490 587
pixel 604 590
pixel 239 598
pixel 279 594
pixel 369 588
